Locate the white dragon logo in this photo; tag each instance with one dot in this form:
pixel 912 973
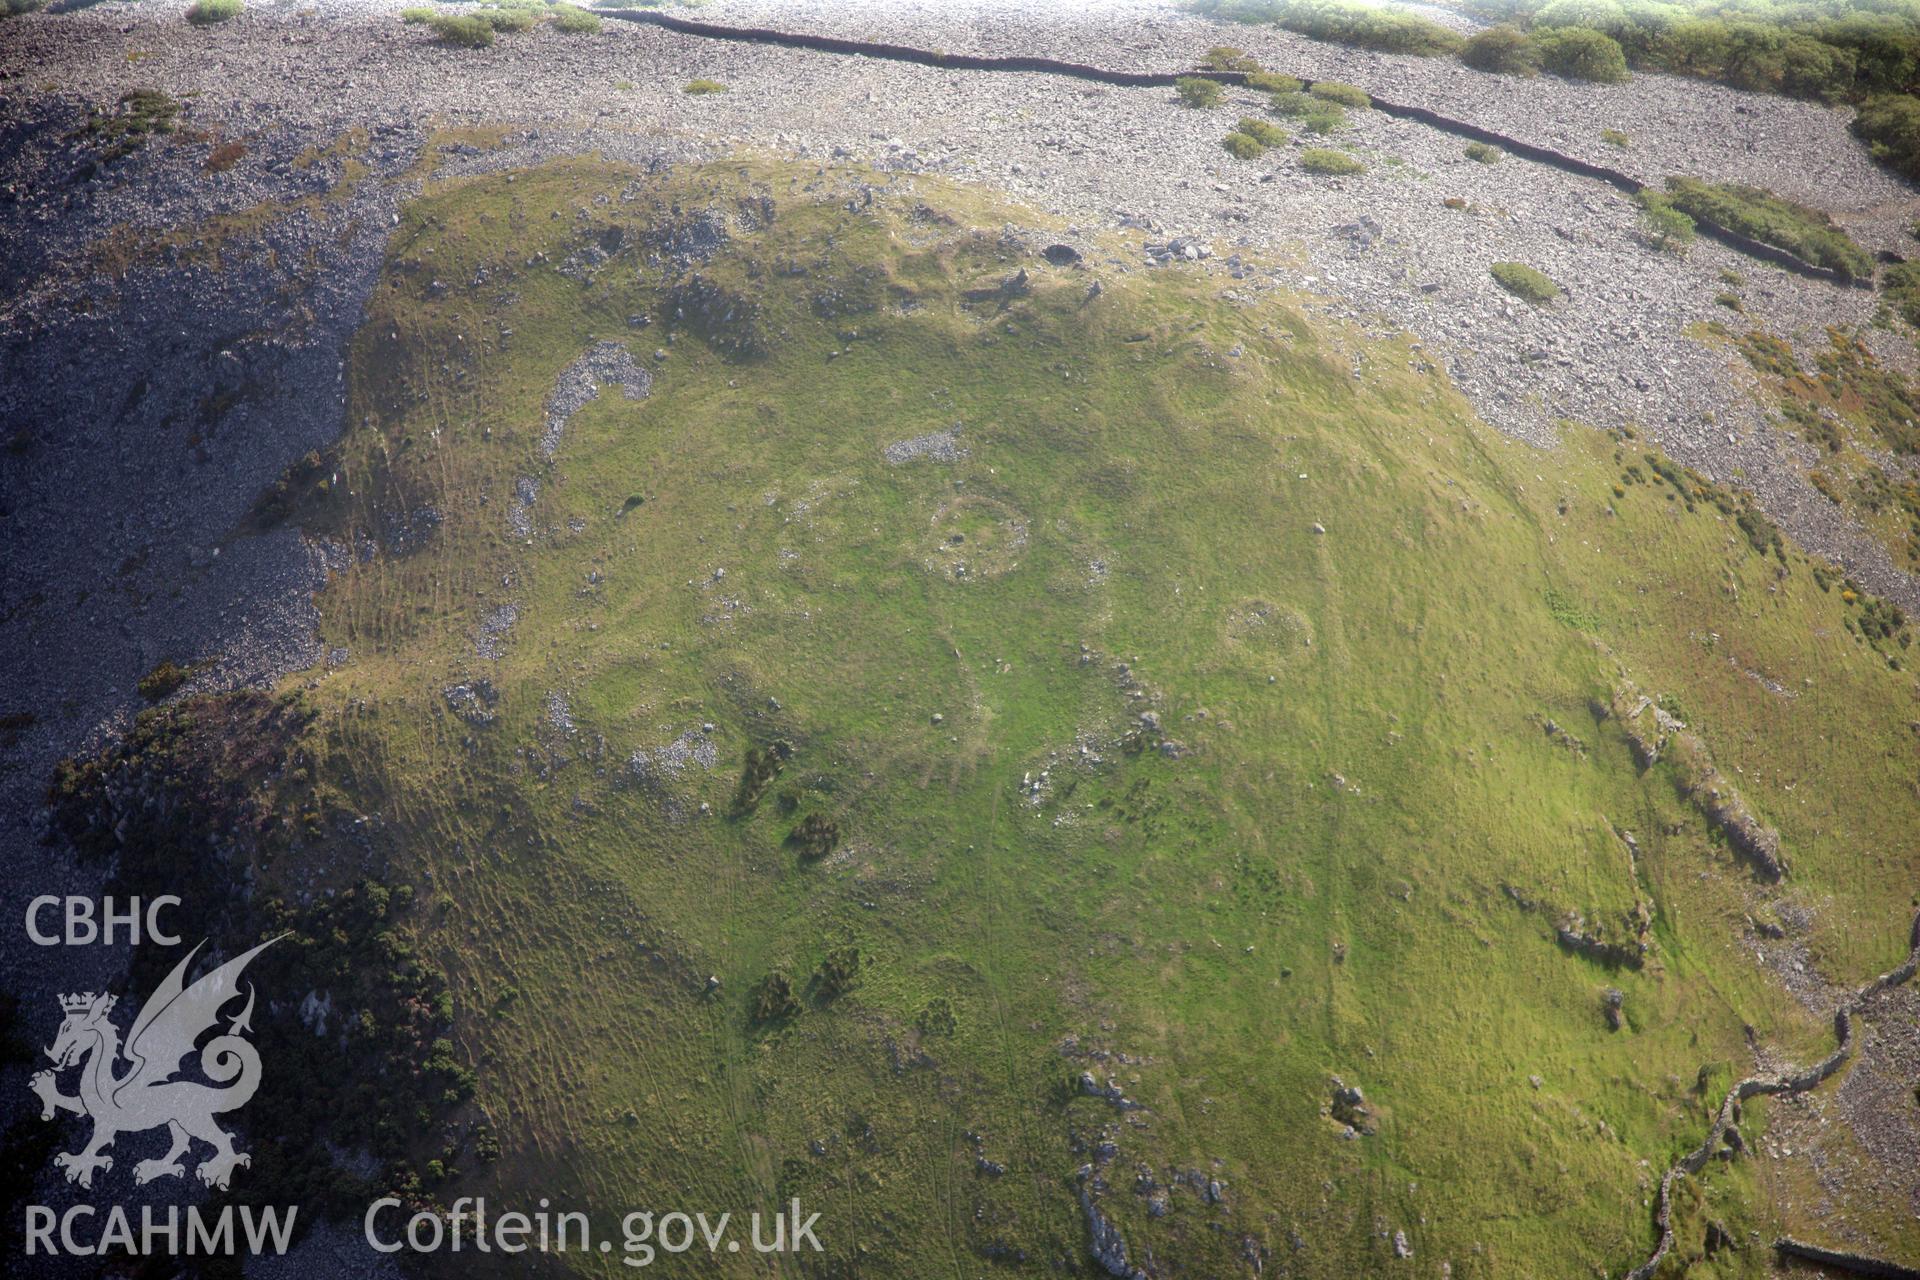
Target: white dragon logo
pixel 147 1096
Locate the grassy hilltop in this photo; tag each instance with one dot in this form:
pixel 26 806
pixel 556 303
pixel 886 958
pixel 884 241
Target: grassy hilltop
pixel 1196 695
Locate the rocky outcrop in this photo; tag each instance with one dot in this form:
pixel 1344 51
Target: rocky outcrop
pixel 1109 1248
pixel 1111 1091
pixel 1348 1106
pixel 1655 734
pixel 1573 935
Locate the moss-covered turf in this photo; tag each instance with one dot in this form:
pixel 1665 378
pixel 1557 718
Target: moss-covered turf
pixel 1214 711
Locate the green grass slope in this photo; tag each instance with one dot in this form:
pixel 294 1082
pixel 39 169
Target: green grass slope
pixel 1221 720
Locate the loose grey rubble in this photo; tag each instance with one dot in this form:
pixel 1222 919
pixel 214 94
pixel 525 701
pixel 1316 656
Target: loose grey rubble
pixel 940 446
pixel 579 382
pixel 691 747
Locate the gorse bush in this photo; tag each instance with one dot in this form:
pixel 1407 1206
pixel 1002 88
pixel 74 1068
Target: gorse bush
pixel 1243 146
pixel 1901 286
pixel 1862 51
pixel 574 20
pixel 1316 115
pixel 815 837
pixel 138 115
pixel 1806 233
pixel 772 999
pixel 1363 26
pixel 1503 50
pixel 510 17
pixel 1330 164
pixel 1830 49
pixel 1224 57
pixel 205 13
pixel 1345 94
pixel 837 971
pixel 1198 92
pixel 1581 53
pixel 1522 281
pixel 467 32
pixel 1890 126
pixel 1264 132
pixel 165 679
pixel 1664 226
pixel 1274 82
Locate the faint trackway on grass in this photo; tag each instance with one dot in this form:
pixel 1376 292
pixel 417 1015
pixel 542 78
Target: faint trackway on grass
pixel 1696 1160
pixel 943 61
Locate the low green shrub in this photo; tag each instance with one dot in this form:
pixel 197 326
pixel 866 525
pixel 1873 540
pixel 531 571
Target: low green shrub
pixel 165 679
pixel 1316 115
pixel 1330 164
pixel 1346 95
pixel 1224 57
pixel 1243 147
pixel 1581 53
pixel 1274 82
pixel 465 31
pixel 1264 132
pixel 205 13
pixel 1890 126
pixel 416 15
pixel 699 87
pixel 574 20
pixel 1522 281
pixel 1501 50
pixel 773 999
pixel 1664 226
pixel 1483 153
pixel 509 18
pixel 815 837
pixel 1901 286
pixel 1364 26
pixel 757 772
pixel 138 115
pixel 1615 138
pixel 837 971
pixel 1804 232
pixel 1198 92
